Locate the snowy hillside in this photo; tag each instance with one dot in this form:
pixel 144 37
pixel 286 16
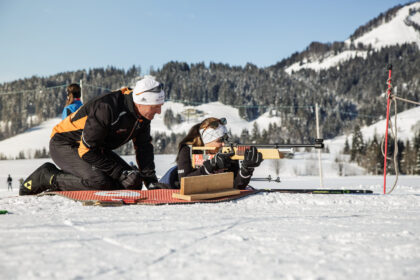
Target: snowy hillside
pixel 36 138
pixel 216 109
pixel 397 31
pixel 408 123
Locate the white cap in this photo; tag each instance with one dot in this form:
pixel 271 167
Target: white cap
pixel 210 134
pixel 143 95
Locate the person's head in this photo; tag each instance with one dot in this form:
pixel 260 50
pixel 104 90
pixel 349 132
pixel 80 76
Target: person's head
pixel 211 132
pixel 148 97
pixel 73 90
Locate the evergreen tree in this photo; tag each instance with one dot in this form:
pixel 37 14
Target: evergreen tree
pixel 255 133
pixel 417 166
pixel 168 118
pixel 346 150
pixel 245 138
pixel 370 161
pixel 357 145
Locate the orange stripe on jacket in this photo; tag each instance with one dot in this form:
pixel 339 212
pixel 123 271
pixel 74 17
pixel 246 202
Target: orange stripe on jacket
pixel 68 125
pixel 126 90
pixel 82 149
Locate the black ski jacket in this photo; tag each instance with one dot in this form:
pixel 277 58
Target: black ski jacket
pixel 185 169
pixel 106 123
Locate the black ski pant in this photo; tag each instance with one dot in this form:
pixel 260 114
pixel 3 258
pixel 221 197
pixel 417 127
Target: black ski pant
pixel 78 174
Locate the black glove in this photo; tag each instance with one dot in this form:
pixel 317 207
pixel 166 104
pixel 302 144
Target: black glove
pixel 252 159
pixel 219 161
pixel 130 179
pixel 149 177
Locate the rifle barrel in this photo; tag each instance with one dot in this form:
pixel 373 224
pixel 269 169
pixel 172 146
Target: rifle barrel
pixel 285 146
pixel 319 144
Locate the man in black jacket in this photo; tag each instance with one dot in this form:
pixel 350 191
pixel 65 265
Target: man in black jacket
pixel 81 145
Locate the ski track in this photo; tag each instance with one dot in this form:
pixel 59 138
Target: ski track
pixel 194 242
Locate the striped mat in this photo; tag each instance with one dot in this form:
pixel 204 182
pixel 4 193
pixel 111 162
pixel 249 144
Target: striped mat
pixel 127 197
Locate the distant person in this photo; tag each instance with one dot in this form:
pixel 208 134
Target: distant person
pixel 211 132
pixel 73 101
pixel 9 183
pixel 81 145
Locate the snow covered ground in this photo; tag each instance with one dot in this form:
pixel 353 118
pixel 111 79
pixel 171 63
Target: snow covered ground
pixel 265 236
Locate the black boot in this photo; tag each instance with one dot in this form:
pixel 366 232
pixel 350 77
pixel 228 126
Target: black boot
pixel 40 180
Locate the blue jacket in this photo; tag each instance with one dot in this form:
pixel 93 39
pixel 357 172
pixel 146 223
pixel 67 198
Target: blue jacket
pixel 71 108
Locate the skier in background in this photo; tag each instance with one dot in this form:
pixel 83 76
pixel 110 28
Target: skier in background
pixel 73 101
pixel 9 183
pixel 81 145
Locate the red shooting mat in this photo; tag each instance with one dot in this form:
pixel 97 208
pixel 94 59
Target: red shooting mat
pixel 149 197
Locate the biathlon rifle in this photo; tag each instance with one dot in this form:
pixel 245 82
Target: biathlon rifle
pixel 268 151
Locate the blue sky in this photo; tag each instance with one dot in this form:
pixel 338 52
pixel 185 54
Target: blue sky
pixel 46 37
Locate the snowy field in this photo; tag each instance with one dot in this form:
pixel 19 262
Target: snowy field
pixel 265 236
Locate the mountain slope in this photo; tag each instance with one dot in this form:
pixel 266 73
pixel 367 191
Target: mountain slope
pixel 398 30
pixel 403 27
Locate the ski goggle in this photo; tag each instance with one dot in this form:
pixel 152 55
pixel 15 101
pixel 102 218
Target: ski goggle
pixel 157 89
pixel 215 124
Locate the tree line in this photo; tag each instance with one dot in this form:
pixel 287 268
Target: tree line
pixel 369 153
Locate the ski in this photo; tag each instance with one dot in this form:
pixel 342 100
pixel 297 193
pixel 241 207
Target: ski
pixel 318 191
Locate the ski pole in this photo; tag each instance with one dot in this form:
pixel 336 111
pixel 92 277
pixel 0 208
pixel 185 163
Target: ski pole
pixel 269 179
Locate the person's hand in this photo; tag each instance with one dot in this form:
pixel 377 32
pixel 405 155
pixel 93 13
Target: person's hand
pixel 219 161
pixel 130 179
pixel 69 99
pixel 252 158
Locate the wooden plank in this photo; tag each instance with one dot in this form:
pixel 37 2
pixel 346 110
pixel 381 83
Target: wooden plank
pixel 207 195
pixel 206 183
pixel 270 153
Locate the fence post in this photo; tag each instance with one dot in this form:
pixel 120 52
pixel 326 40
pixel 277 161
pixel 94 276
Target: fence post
pixel 81 90
pixel 321 179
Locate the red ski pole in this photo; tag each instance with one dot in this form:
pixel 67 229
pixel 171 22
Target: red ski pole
pixel 387 119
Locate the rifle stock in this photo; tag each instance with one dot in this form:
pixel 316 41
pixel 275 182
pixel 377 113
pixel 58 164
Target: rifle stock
pixel 267 152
